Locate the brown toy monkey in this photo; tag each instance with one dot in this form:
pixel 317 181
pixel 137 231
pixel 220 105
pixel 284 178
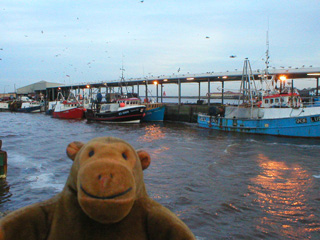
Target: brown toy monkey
pixel 104 198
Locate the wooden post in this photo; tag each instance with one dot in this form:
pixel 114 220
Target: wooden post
pixel 138 89
pixel 157 92
pixel 222 93
pixel 147 90
pixel 3 162
pixel 179 92
pixel 209 92
pixel 161 92
pixel 317 87
pixel 46 100
pixel 199 91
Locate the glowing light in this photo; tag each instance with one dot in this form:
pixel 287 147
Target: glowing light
pixel 155 83
pixel 313 74
pixel 224 77
pixel 190 78
pixel 88 86
pixel 165 80
pixel 283 78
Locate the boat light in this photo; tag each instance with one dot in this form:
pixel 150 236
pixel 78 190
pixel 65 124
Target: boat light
pixel 283 78
pixel 224 77
pixel 88 86
pixel 165 80
pixel 155 83
pixel 190 78
pixel 314 74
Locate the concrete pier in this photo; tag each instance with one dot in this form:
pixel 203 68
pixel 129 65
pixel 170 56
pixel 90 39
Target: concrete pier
pixel 184 112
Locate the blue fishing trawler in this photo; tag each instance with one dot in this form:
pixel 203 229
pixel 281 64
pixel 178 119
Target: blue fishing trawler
pixel 273 111
pixel 154 112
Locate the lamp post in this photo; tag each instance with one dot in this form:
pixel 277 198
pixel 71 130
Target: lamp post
pixel 4 89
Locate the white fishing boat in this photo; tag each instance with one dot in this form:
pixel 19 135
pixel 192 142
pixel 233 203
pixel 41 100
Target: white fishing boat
pixel 122 111
pixel 4 106
pixel 29 106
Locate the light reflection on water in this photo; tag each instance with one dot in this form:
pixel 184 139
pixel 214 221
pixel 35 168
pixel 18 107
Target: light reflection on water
pixel 152 132
pixel 281 193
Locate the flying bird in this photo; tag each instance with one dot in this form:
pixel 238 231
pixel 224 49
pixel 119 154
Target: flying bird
pixel 207 37
pixel 233 56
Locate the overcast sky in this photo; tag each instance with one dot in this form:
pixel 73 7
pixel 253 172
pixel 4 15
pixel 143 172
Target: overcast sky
pixel 90 40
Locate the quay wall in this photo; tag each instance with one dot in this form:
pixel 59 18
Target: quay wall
pixel 184 112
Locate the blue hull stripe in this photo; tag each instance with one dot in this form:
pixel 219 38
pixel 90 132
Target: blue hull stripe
pixel 295 127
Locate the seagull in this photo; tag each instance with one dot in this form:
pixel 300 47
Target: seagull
pixel 233 56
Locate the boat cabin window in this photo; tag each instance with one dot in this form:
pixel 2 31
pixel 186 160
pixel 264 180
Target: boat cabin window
pixel 271 100
pixel 266 101
pixel 109 107
pixel 277 100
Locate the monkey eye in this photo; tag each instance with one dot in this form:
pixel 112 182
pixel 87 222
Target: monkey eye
pixel 124 155
pixel 91 153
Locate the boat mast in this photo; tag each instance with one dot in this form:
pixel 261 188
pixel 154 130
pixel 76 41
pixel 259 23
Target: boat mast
pixel 267 55
pixel 248 87
pixel 265 76
pixel 122 80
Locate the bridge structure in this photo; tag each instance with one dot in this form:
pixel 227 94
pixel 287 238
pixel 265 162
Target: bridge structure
pixel 203 78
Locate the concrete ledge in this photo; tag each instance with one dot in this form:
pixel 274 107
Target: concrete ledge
pixel 184 112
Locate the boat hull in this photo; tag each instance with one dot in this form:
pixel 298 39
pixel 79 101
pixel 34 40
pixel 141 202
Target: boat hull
pixel 131 115
pixel 299 126
pixel 4 106
pixel 156 114
pixel 74 113
pixel 34 109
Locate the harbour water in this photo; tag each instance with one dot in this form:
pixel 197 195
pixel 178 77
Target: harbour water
pixel 222 185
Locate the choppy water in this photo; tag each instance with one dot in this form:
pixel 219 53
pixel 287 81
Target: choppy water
pixel 222 185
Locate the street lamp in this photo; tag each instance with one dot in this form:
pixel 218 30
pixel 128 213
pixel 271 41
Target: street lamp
pixel 282 78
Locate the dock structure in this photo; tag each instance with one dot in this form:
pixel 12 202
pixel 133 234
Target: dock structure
pixel 205 78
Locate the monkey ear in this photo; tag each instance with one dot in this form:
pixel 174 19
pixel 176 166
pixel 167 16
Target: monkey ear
pixel 73 148
pixel 145 159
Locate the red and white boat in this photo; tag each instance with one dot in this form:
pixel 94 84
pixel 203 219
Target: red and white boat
pixel 68 109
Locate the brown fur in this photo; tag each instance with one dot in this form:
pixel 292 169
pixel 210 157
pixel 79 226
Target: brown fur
pixel 104 198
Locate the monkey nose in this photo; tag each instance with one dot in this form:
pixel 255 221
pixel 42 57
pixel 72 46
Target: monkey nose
pixel 104 179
